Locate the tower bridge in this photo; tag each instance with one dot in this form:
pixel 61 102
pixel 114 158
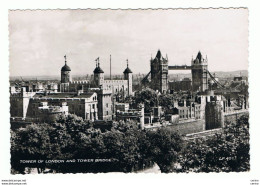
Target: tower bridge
pixel 159 73
pixel 182 67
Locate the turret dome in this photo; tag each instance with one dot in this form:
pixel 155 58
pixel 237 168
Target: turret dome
pixel 65 68
pixel 127 70
pixel 98 69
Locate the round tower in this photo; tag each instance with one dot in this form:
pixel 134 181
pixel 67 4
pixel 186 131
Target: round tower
pixel 214 116
pixel 65 77
pixel 129 77
pixel 98 75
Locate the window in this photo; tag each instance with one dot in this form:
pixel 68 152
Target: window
pixel 106 104
pixel 107 112
pixel 93 106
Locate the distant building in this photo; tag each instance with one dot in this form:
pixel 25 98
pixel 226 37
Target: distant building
pixel 28 104
pixel 238 78
pixel 122 107
pixel 215 106
pixel 122 87
pixel 108 91
pixel 183 85
pixel 46 113
pixel 36 87
pixel 52 88
pixel 132 114
pixel 190 110
pixel 19 103
pixel 105 106
pixel 83 105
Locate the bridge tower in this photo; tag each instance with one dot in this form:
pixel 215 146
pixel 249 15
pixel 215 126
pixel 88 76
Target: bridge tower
pixel 159 73
pixel 199 70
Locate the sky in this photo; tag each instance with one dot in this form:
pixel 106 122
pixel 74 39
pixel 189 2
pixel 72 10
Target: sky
pixel 39 39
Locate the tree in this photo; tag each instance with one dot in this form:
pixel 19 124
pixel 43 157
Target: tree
pixel 165 144
pixel 72 138
pixel 148 97
pixel 224 152
pixel 166 101
pixel 125 145
pixel 31 143
pixel 151 98
pixel 128 148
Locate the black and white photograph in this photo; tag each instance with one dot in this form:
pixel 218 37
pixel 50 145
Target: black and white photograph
pixel 130 91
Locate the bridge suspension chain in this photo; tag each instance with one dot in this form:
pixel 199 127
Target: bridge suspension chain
pixel 146 77
pixel 213 78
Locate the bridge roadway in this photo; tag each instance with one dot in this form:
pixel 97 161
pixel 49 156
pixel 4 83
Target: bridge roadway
pixel 183 67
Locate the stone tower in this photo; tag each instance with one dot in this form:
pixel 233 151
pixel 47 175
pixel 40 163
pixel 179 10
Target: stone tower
pixel 65 77
pixel 159 73
pixel 199 69
pixel 214 117
pixel 98 75
pixel 129 77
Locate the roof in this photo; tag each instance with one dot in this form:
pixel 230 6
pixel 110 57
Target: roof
pixel 159 54
pixel 127 70
pixel 65 68
pixel 98 69
pixel 199 56
pixel 64 95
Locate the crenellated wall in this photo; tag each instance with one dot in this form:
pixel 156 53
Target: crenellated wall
pixel 234 116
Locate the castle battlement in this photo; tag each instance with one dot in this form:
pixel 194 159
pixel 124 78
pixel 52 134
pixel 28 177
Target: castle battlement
pixel 115 81
pixel 80 82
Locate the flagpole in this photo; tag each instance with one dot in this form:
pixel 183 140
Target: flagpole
pixel 110 68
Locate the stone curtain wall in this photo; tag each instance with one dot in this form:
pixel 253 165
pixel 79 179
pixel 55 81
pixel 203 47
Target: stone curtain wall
pixel 233 117
pixel 189 127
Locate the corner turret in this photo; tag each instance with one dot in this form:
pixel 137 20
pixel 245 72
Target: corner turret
pixel 98 74
pixel 65 77
pixel 129 77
